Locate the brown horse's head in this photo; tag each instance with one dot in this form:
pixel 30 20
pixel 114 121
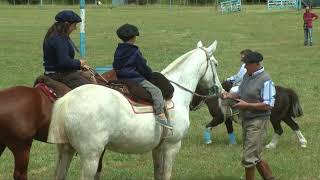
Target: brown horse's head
pixel 227 85
pixel 196 100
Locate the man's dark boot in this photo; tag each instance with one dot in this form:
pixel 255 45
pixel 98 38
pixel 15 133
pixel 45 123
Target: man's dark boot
pixel 264 170
pixel 250 173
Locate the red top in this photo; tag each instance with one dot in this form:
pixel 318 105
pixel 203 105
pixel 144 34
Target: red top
pixel 308 17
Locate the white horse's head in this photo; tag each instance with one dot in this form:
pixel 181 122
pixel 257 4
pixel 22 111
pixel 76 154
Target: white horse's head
pixel 210 77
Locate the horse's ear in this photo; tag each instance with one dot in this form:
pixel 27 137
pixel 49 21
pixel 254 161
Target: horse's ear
pixel 199 44
pixel 212 47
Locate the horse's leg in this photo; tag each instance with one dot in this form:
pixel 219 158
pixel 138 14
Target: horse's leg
pixel 98 174
pixel 276 124
pixel 21 160
pixel 89 157
pixel 232 137
pixel 65 155
pixel 168 154
pixel 295 127
pixel 157 163
pixel 89 164
pixel 213 123
pixel 2 148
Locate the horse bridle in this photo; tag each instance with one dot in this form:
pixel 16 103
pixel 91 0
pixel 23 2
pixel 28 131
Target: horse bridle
pixel 207 66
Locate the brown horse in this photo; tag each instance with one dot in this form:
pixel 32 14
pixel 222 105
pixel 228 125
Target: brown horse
pixel 24 115
pixel 286 108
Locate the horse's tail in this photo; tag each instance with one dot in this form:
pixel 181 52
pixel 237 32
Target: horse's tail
pixel 57 132
pixel 295 109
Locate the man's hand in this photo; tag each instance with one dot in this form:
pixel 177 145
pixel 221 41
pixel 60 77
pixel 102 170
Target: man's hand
pixel 241 104
pixel 225 95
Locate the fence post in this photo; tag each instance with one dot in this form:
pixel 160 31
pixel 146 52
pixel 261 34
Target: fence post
pixel 82 32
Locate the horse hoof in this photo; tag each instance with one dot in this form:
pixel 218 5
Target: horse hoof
pixel 303 144
pixel 270 146
pixel 208 142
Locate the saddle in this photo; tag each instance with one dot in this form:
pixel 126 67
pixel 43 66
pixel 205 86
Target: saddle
pixel 52 88
pixel 55 89
pixel 133 91
pixel 138 97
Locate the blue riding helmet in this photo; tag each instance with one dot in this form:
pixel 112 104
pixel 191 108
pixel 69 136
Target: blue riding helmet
pixel 67 16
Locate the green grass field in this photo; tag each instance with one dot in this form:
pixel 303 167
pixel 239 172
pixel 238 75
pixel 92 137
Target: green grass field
pixel 165 34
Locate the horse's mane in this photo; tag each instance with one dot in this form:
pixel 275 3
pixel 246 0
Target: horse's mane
pixel 176 62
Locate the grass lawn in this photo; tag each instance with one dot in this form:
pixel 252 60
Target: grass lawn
pixel 165 34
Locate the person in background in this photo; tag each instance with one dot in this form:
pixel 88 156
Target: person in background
pixel 59 51
pixel 308 18
pixel 256 97
pixel 237 78
pixel 130 64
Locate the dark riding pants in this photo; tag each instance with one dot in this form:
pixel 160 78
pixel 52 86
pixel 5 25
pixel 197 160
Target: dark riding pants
pixel 71 79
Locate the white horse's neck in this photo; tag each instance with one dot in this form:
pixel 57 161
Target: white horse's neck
pixel 187 71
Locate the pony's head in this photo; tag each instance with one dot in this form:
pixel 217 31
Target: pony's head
pixel 210 78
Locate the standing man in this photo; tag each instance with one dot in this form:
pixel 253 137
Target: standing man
pixel 237 78
pixel 255 99
pixel 308 18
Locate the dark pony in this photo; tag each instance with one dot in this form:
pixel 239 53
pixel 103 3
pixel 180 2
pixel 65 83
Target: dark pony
pixel 287 107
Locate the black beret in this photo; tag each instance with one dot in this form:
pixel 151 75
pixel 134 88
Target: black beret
pixel 68 16
pixel 252 57
pixel 127 31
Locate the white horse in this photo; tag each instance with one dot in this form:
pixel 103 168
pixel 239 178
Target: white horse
pixel 92 118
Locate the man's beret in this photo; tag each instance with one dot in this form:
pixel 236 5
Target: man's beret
pixel 68 16
pixel 127 31
pixel 252 57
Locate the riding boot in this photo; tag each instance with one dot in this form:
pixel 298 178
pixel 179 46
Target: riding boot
pixel 264 170
pixel 250 173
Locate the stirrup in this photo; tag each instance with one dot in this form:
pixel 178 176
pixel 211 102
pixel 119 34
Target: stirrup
pixel 164 123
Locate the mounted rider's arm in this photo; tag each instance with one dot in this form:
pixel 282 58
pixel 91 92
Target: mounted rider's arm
pixel 64 56
pixel 142 67
pixel 268 93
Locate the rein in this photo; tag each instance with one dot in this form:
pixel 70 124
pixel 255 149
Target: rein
pixel 93 72
pixel 193 93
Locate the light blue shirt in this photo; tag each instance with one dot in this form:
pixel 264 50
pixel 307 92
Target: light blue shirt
pixel 268 91
pixel 237 78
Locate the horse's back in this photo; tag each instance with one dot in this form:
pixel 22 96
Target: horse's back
pixel 286 103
